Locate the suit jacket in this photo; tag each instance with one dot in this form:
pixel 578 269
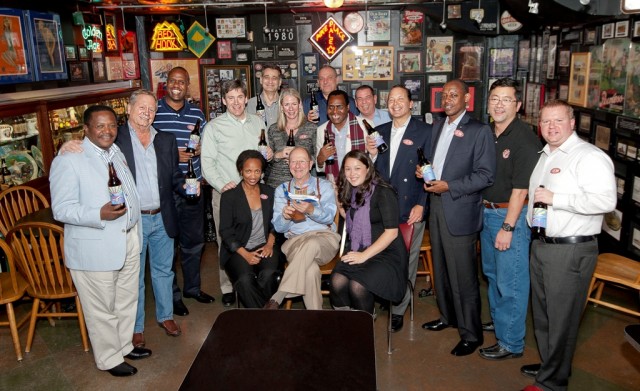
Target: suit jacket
pixel 170 177
pixel 469 167
pixel 236 221
pixel 403 177
pixel 79 189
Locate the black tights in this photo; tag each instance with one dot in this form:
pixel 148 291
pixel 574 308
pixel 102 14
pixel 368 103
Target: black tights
pixel 349 293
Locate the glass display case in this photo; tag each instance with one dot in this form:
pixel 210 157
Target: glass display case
pixel 20 149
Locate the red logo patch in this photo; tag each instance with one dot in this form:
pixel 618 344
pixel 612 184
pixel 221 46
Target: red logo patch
pixel 407 142
pixel 458 133
pixel 264 196
pixel 506 153
pixel 555 171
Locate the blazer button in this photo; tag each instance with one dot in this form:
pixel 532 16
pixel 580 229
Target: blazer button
pixel 124 231
pixel 405 179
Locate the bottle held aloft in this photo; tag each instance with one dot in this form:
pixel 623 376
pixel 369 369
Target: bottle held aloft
pixel 313 105
pixel 262 144
pixel 330 160
pixel 115 187
pixel 192 182
pixel 425 166
pixel 194 138
pixel 380 143
pixel 260 109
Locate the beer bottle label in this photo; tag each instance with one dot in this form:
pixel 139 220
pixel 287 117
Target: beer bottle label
pixel 261 114
pixel 116 194
pixel 315 108
pixel 427 173
pixel 539 218
pixel 376 136
pixel 263 150
pixel 192 186
pixel 194 140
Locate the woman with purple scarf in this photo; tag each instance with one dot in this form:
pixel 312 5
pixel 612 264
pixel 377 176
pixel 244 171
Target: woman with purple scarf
pixel 375 262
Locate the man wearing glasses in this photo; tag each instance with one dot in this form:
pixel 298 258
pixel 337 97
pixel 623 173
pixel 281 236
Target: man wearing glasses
pixel 366 101
pixel 270 82
pixel 308 225
pixel 505 236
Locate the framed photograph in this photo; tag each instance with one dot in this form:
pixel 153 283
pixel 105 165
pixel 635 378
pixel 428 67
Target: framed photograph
pixel 454 11
pixel 622 28
pixel 634 243
pixel 564 58
pixel 415 84
pixel 551 57
pixel 612 223
pixel 111 40
pixel 571 35
pixel 98 71
pixel 563 91
pixel 310 64
pixel 436 99
pixel 416 109
pixel 160 69
pixel 621 148
pixel 411 27
pixel 129 55
pixel 620 186
pixel 372 63
pixel 501 62
pixel 469 62
pixel 224 50
pixel 231 28
pixel 409 61
pixel 70 52
pixel 79 71
pixel 214 76
pixel 378 26
pixel 579 78
pixel 636 191
pixel 590 35
pixel 636 29
pixel 632 152
pixel 16 64
pixel 83 53
pixel 439 54
pixel 524 52
pixel 115 71
pixel 47 49
pixel 607 30
pixel 383 96
pixel 436 79
pixel 585 123
pixel 603 137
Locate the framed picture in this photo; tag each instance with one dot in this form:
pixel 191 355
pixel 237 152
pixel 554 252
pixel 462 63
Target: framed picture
pixel 371 63
pixel 524 52
pixel 454 11
pixel 635 195
pixel 79 71
pixel 47 49
pixel 83 53
pixel 213 78
pixel 310 64
pixel 563 91
pixel 622 29
pixel 634 243
pixel 632 152
pixel 409 61
pixel 571 35
pixel 111 42
pixel 438 54
pixel 579 78
pixel 160 69
pixel 621 148
pixel 383 96
pixel 551 57
pixel 469 62
pixel 501 62
pixel 564 58
pixel 98 72
pixel 411 27
pixel 472 98
pixel 436 79
pixel 416 109
pixel 436 99
pixel 612 223
pixel 129 55
pixel 607 30
pixel 224 50
pixel 415 85
pixel 16 64
pixel 636 29
pixel 620 182
pixel 603 137
pixel 379 26
pixel 231 28
pixel 590 35
pixel 70 52
pixel 115 71
pixel 585 123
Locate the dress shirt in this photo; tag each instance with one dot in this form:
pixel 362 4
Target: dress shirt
pixel 396 138
pixel 443 144
pixel 582 180
pixel 146 171
pixel 379 117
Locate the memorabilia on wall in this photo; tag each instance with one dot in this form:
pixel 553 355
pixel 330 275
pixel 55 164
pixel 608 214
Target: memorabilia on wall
pixel 98 72
pixel 613 80
pixel 70 52
pixel 411 27
pixel 622 29
pixel 83 53
pixel 214 77
pixel 289 70
pixel 224 50
pixel 524 52
pixel 110 35
pixel 367 63
pixel 454 11
pixel 160 69
pixel 436 99
pixel 437 79
pixel 383 96
pixel 438 56
pixel 416 108
pixel 551 57
pixel 590 35
pixel 309 64
pixel 199 39
pixel 636 29
pixel 578 79
pixel 330 39
pixel 501 62
pixel 114 68
pixel 636 191
pixel 603 137
pixel 230 28
pixel 595 75
pixel 632 95
pixel 621 148
pixel 585 123
pixel 46 40
pixel 79 71
pixel 612 223
pixel 534 98
pixel 15 60
pixel 415 85
pixel 409 61
pixel 378 26
pixel 469 62
pixel 635 239
pixel 129 49
pixel 607 30
pixel 620 187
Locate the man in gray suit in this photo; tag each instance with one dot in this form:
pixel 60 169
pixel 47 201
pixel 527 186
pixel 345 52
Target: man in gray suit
pixel 102 246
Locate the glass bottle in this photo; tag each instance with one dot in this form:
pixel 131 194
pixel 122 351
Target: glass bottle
pixel 262 144
pixel 539 218
pixel 425 166
pixel 260 109
pixel 291 142
pixel 330 160
pixel 115 186
pixel 194 138
pixel 380 143
pixel 192 183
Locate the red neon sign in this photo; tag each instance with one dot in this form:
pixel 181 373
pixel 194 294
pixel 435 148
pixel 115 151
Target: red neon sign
pixel 330 38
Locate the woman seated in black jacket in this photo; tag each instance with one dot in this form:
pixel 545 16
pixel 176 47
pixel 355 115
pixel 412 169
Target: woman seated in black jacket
pixel 249 253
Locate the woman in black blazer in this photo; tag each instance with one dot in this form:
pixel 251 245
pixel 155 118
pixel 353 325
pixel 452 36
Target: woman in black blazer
pixel 249 253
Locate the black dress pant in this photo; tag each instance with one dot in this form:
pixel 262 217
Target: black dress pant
pixel 255 284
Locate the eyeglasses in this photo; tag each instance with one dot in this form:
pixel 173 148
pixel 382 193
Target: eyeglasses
pixel 298 162
pixel 505 100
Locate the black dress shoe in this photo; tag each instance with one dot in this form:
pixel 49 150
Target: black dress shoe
pixel 179 308
pixel 123 369
pixel 489 326
pixel 228 299
pixel 201 297
pixel 465 348
pixel 138 354
pixel 497 352
pixel 530 370
pixel 435 325
pixel 397 321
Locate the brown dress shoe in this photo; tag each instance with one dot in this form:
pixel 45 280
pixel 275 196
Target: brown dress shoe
pixel 138 340
pixel 271 305
pixel 171 327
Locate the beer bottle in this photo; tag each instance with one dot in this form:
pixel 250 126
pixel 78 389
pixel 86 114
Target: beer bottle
pixel 115 186
pixel 192 182
pixel 330 160
pixel 380 144
pixel 194 138
pixel 260 109
pixel 539 218
pixel 262 144
pixel 291 142
pixel 425 166
pixel 5 175
pixel 313 106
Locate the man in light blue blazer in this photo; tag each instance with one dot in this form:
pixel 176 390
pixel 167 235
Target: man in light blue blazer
pixel 102 241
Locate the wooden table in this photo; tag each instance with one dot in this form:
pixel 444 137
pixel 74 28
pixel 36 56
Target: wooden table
pixel 44 215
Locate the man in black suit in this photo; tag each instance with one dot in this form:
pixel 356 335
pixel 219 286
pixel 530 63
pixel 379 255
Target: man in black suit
pixel 404 135
pixel 464 162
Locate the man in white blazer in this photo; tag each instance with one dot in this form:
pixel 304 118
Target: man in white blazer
pixel 102 241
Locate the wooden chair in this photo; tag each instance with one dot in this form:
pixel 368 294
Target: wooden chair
pixel 39 252
pixel 17 202
pixel 426 259
pixel 406 230
pixel 12 288
pixel 615 269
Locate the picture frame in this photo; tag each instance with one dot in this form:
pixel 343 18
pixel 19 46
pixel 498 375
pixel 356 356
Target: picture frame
pixel 310 63
pixel 78 71
pixel 415 85
pixel 579 78
pixel 620 182
pixel 111 41
pixel 383 96
pixel 368 63
pixel 607 30
pixel 622 29
pixel 612 224
pixel 439 54
pixel 224 50
pixel 70 52
pixel 590 35
pixel 635 195
pixel 634 242
pixel 159 69
pixel 524 52
pixel 584 125
pixel 115 70
pixel 411 28
pixel 636 29
pixel 437 79
pixel 469 62
pixel 231 28
pixel 129 55
pixel 472 98
pixel 551 56
pixel 213 78
pixel 621 148
pixel 16 66
pixel 436 99
pixel 409 61
pixel 98 71
pixel 603 137
pixel 501 62
pixel 563 92
pixel 454 11
pixel 378 25
pixel 83 53
pixel 416 109
pixel 46 43
pixel 564 58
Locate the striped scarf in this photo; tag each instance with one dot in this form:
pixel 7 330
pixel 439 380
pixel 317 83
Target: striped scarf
pixel 358 141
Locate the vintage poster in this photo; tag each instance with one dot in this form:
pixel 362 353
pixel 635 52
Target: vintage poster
pixel 632 96
pixel 160 68
pixel 379 26
pixel 501 62
pixel 438 56
pixel 14 58
pixel 578 79
pixel 469 62
pixel 615 56
pixel 411 26
pixel 367 63
pixel 595 74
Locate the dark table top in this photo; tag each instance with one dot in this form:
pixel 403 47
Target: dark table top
pixel 40 216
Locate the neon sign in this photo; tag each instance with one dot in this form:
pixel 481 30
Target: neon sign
pixel 167 38
pixel 330 38
pixel 112 41
pixel 92 38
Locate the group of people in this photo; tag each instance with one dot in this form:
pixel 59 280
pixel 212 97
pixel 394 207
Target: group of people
pixel 271 207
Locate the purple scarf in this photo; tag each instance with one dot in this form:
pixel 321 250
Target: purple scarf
pixel 359 227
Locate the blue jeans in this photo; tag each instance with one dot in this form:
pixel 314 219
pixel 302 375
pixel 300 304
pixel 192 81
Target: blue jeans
pixel 508 275
pixel 160 260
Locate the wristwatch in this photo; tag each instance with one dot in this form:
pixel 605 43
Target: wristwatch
pixel 507 227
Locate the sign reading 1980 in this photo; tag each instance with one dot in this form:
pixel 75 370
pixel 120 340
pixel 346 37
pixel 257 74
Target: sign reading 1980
pixel 282 34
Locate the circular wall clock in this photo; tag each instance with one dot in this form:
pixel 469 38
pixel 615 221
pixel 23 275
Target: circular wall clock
pixel 353 22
